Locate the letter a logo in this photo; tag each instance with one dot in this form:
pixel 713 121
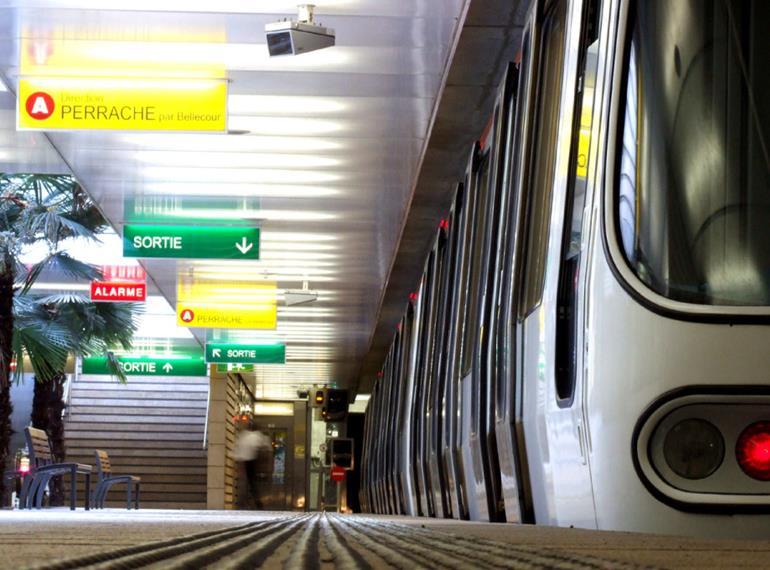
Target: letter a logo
pixel 187 315
pixel 39 105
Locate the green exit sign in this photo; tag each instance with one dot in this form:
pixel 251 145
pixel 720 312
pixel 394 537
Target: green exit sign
pixel 150 366
pixel 227 353
pixel 235 368
pixel 190 242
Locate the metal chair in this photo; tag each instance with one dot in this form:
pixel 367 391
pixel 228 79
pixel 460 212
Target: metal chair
pixel 107 480
pixel 43 469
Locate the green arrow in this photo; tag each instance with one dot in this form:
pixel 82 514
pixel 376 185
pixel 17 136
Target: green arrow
pixel 229 353
pixel 191 242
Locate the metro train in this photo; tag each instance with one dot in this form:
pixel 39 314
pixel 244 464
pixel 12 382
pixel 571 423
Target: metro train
pixel 589 344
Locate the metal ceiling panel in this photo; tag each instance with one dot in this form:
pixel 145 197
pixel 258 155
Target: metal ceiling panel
pixel 322 155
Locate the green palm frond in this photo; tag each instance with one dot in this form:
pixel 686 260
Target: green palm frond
pixel 113 365
pixel 120 323
pixel 46 343
pixel 24 304
pixel 60 261
pixel 85 328
pixel 55 226
pixel 64 298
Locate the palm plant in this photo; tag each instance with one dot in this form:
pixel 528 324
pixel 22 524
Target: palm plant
pixel 36 209
pixel 83 328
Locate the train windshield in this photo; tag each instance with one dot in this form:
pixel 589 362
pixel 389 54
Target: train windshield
pixel 693 197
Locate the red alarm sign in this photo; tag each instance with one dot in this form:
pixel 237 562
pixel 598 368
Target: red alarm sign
pixel 118 292
pixel 124 273
pixel 337 473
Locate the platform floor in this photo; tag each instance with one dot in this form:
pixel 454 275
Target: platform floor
pixel 115 538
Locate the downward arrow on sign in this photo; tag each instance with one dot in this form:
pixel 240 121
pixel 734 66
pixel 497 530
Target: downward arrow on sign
pixel 167 367
pixel 244 247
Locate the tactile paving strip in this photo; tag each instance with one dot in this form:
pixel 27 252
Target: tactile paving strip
pixel 324 541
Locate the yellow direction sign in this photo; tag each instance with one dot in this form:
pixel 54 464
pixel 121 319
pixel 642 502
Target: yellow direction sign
pixel 123 104
pixel 227 305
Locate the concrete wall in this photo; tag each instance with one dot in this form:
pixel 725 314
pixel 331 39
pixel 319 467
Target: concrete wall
pixel 221 469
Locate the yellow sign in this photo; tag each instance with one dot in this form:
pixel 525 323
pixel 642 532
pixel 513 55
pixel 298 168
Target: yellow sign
pixel 225 316
pixel 183 56
pixel 227 305
pixel 122 104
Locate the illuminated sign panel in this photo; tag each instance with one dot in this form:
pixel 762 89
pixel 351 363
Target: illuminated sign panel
pixel 121 104
pixel 124 273
pixel 226 353
pixel 115 291
pixel 174 365
pixel 235 368
pixel 226 305
pixel 191 242
pixel 152 209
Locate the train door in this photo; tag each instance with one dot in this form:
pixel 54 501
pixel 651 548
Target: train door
pixel 508 428
pixel 450 454
pixel 371 469
pixel 435 406
pixel 417 404
pixel 387 383
pixel 382 468
pixel 428 298
pixel 363 490
pixel 409 330
pixel 477 476
pixel 463 390
pixel 493 248
pixel 554 415
pixel 392 422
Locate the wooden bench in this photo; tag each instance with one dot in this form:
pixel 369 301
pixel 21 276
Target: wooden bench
pixel 42 469
pixel 107 480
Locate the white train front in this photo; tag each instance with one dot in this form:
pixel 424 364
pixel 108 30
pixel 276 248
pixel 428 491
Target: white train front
pixel 590 341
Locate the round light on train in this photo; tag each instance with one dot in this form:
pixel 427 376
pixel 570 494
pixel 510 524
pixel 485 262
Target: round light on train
pixel 694 448
pixel 753 451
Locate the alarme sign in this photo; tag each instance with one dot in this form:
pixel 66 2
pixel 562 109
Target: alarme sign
pixel 118 292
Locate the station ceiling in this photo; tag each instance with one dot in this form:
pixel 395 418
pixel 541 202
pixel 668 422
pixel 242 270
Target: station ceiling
pixel 322 152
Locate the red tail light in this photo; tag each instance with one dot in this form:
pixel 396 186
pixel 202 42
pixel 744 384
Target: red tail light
pixel 753 451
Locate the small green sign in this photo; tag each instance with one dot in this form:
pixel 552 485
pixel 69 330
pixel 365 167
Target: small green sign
pixel 235 368
pixel 160 209
pixel 191 242
pixel 227 353
pixel 150 366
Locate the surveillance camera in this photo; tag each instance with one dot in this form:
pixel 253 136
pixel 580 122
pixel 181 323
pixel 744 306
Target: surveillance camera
pixel 296 37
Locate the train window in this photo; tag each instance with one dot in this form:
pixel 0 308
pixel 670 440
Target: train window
pixel 505 374
pixel 406 331
pixel 544 154
pixel 477 225
pixel 439 328
pixel 572 244
pixel 457 231
pixel 692 201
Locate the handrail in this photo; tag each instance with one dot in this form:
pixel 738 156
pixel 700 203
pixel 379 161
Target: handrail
pixel 205 442
pixel 71 379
